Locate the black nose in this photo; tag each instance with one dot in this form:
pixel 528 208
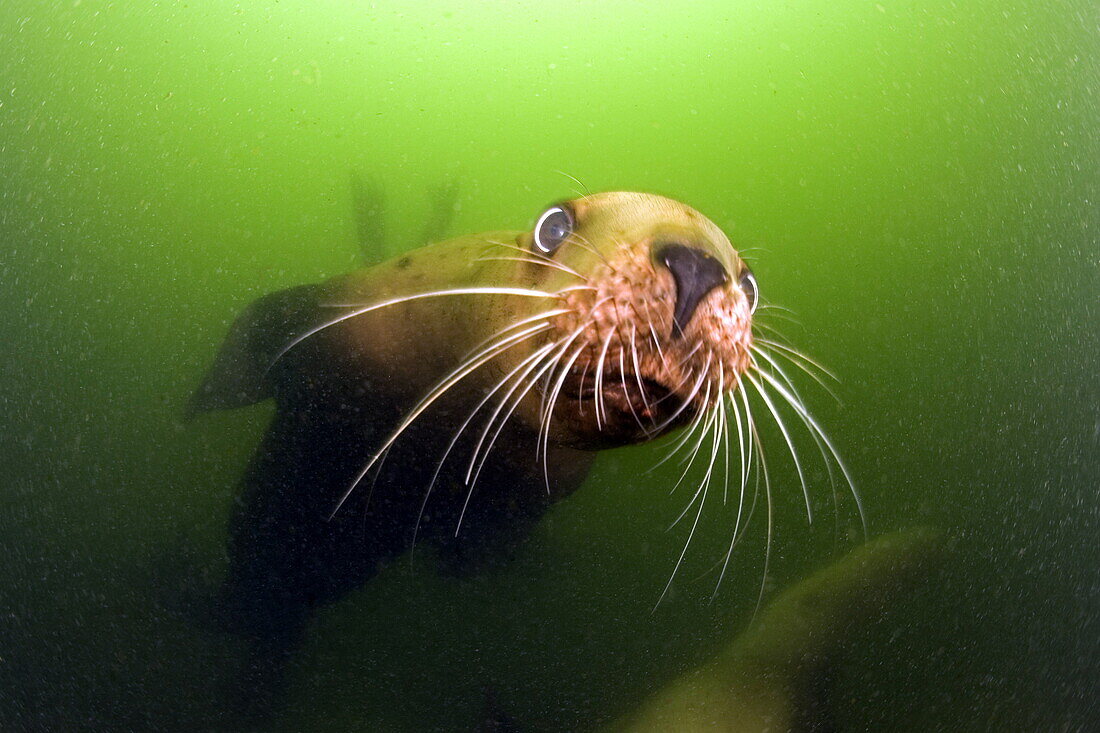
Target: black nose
pixel 696 273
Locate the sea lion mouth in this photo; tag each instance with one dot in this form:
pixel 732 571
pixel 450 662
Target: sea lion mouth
pixel 626 396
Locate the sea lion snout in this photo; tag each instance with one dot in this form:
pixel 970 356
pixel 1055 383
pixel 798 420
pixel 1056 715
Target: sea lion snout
pixel 658 330
pixel 696 273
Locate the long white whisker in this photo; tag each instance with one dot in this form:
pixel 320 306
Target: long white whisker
pixel 815 428
pixel 653 332
pixel 539 256
pixel 455 376
pixel 580 385
pixel 738 536
pixel 770 359
pixel 525 292
pixel 687 433
pixel 695 449
pixel 530 261
pixel 473 413
pixel 546 364
pixel 588 245
pixel 701 493
pixel 771 356
pixel 799 402
pixel 696 422
pixel 560 345
pixel 777 307
pixel 626 392
pixel 544 316
pixel 638 371
pixel 750 434
pixel 740 439
pixel 577 181
pixel 599 377
pixel 713 417
pixel 723 433
pixel 695 390
pixel 549 413
pixel 496 338
pixel 759 324
pixel 771 524
pixel 580 388
pixel 787 437
pixel 796 353
pixel 771 310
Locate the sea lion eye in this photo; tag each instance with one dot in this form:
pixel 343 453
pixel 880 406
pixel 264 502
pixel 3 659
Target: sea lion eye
pixel 748 286
pixel 552 228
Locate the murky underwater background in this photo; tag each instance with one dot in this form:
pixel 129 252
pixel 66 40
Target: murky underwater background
pixel 916 181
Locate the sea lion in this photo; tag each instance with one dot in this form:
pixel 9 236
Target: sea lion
pixel 450 395
pixel 775 675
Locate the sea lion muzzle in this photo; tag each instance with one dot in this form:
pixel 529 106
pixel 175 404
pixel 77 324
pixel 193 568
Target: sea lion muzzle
pixel 696 273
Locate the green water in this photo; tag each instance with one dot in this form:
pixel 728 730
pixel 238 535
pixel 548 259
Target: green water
pixel 916 181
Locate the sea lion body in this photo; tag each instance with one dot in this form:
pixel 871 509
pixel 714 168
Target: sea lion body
pixel 337 394
pixel 452 394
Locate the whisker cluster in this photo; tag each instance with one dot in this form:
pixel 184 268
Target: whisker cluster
pixel 723 393
pixel 731 418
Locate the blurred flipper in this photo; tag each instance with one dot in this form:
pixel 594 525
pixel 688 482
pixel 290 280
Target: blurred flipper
pixel 442 201
pixel 369 203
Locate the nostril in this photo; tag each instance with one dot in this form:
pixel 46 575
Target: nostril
pixel 696 273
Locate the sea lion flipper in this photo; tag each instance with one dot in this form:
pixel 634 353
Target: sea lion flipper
pixel 368 198
pixel 443 200
pixel 248 366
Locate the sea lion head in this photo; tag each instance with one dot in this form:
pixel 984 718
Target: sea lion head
pixel 653 321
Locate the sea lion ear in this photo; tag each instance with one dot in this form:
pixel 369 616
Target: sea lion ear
pixel 246 369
